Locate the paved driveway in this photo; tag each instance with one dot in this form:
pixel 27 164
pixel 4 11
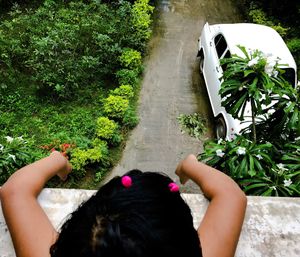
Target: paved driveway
pixel 172 86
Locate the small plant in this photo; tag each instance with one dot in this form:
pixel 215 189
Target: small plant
pixel 80 158
pixel 15 152
pixel 193 124
pixel 99 175
pixel 128 76
pixel 131 59
pixel 125 91
pixel 115 106
pixel 130 118
pixel 106 128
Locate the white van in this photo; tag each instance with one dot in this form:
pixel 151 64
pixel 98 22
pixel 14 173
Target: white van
pixel 221 41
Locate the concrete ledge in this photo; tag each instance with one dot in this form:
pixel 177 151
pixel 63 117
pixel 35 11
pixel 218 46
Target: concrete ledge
pixel 271 227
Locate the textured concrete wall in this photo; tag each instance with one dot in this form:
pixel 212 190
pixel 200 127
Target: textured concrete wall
pixel 271 227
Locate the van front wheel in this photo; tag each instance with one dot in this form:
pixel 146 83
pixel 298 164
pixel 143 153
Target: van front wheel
pixel 201 64
pixel 220 127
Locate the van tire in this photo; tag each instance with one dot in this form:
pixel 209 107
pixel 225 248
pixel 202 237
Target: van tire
pixel 201 64
pixel 220 127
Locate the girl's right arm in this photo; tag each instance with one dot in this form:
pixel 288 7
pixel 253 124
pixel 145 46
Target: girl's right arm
pixel 220 228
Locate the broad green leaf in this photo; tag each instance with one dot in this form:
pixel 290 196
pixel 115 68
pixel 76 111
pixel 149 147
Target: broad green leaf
pixel 255 186
pixel 268 192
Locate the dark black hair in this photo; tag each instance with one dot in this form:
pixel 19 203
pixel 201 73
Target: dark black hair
pixel 144 220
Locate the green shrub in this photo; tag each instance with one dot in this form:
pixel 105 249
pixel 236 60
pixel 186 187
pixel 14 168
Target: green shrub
pixel 125 91
pixel 259 16
pixel 130 118
pixel 294 45
pixel 131 58
pixel 127 77
pixel 141 19
pixel 115 106
pixel 106 128
pixel 246 79
pixel 99 175
pixel 116 139
pixel 80 158
pixel 14 154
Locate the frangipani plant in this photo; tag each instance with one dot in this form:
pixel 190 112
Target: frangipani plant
pixel 249 80
pixel 265 158
pixel 239 158
pixel 259 169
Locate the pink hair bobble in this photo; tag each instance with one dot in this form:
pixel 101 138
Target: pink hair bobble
pixel 173 187
pixel 126 181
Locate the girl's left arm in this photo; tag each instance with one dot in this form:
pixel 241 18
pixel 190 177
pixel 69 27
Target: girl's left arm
pixel 31 231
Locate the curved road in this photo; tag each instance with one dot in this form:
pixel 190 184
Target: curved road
pixel 172 86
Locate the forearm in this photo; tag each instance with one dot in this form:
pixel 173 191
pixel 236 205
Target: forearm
pixel 32 178
pixel 222 223
pixel 212 182
pixel 26 220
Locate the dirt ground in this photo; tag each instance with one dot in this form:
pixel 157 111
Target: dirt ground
pixel 172 86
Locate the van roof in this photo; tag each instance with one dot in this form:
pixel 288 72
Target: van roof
pixel 255 36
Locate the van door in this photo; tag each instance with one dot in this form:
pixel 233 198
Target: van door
pixel 217 48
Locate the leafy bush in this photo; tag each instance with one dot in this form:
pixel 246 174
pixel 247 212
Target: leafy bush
pixel 284 10
pixel 141 20
pixel 127 76
pixel 125 91
pixel 115 106
pixel 259 16
pixel 274 13
pixel 14 154
pixel 106 128
pixel 294 46
pixel 193 124
pixel 130 118
pixel 131 58
pixel 80 158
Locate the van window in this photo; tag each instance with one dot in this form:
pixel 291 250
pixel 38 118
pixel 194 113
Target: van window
pixel 226 55
pixel 289 75
pixel 221 44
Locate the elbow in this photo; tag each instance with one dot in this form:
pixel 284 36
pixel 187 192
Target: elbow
pixel 239 197
pixel 235 195
pixel 8 191
pixel 243 199
pixel 3 193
